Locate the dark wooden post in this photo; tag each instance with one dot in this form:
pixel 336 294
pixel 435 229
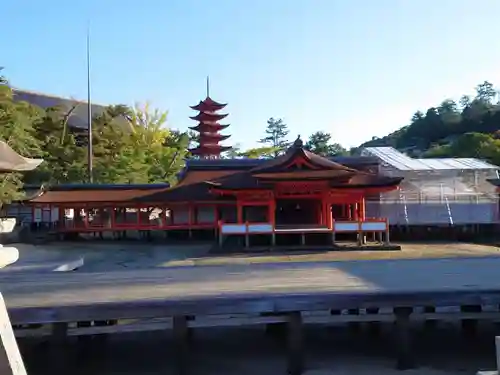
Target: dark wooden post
pixel 84 340
pixel 373 327
pixel 295 344
pixel 354 327
pixel 58 356
pixel 469 326
pixel 430 324
pixel 181 344
pixel 404 351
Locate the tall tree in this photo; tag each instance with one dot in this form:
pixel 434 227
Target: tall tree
pixel 276 135
pixel 65 159
pixel 134 145
pixel 319 143
pixel 17 121
pixel 486 92
pixel 464 101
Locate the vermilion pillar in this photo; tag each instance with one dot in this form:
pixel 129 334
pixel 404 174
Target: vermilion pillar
pixel 328 213
pixel 271 211
pixel 362 209
pixel 239 212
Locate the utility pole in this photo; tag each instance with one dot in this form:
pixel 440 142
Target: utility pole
pixel 89 113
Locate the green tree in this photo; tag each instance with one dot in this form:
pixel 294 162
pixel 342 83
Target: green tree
pixel 65 161
pixel 265 152
pixel 485 92
pixel 470 145
pixel 163 151
pixel 111 148
pixel 319 143
pixel 446 130
pixel 17 121
pixel 276 135
pixel 133 145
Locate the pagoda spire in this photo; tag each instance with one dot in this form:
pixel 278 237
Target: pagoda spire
pixel 208 127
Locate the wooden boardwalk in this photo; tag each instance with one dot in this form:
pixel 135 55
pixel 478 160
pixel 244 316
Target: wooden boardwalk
pixel 256 288
pixel 281 288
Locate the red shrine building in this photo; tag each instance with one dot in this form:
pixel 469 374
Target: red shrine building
pixel 297 198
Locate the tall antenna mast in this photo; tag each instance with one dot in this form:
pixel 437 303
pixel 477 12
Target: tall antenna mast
pixel 89 113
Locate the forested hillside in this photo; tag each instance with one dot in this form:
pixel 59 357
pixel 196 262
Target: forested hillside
pixel 469 128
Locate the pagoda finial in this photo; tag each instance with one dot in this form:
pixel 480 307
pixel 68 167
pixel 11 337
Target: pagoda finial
pixel 298 142
pixel 208 86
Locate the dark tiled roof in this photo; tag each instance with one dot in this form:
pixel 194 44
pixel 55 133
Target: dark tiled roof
pixel 95 193
pixel 192 186
pixel 306 174
pixel 239 181
pixel 263 176
pixel 78 119
pixel 192 177
pixel 293 153
pixel 356 162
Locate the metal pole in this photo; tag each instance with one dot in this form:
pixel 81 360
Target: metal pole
pixel 89 113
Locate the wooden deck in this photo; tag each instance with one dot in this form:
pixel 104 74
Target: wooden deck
pixel 290 290
pixel 250 288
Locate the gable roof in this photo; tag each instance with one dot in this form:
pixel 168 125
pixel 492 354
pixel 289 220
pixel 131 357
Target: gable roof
pixel 295 153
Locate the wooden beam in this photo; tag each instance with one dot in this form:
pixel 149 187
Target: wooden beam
pixel 295 362
pixel 181 344
pixel 405 359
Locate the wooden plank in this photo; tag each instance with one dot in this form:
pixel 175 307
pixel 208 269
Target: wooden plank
pixel 211 290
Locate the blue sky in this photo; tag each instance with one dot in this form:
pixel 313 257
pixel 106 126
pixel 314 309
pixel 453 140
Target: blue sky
pixel 354 68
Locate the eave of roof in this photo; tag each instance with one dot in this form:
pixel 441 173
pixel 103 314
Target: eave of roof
pixel 66 194
pixel 305 175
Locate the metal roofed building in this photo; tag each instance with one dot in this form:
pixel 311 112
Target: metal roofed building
pixel 78 121
pixel 448 191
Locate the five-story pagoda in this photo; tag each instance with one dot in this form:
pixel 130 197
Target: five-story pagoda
pixel 209 128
